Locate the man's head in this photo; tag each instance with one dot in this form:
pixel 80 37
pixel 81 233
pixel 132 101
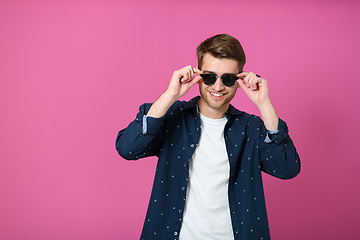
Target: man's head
pixel 219 56
pixel 222 46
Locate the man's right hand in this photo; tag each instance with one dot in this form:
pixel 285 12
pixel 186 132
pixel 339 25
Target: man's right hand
pixel 181 81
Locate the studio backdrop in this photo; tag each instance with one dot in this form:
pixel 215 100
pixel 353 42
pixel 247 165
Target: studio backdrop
pixel 73 73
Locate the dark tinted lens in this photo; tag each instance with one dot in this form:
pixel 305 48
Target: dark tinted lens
pixel 229 79
pixel 208 79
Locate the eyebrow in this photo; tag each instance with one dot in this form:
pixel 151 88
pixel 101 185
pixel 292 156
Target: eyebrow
pixel 211 72
pixel 206 71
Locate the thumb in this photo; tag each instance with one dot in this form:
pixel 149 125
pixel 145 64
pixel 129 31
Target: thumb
pixel 246 89
pixel 242 84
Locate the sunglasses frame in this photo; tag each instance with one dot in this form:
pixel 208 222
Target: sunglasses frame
pixel 222 78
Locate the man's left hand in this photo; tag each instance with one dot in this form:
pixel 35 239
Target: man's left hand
pixel 256 88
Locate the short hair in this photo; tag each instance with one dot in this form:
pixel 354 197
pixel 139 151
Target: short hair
pixel 222 46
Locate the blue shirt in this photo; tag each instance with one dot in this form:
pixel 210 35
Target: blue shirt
pixel 174 138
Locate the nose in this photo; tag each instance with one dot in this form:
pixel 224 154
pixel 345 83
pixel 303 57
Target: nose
pixel 218 85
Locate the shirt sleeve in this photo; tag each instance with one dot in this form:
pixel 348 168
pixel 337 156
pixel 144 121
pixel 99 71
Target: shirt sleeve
pixel 142 137
pixel 278 155
pixel 268 136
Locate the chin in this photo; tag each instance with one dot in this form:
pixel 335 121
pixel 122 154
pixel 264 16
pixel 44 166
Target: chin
pixel 216 104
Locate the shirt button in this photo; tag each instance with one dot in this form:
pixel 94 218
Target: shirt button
pixel 175 233
pixel 180 211
pixel 192 145
pixel 185 165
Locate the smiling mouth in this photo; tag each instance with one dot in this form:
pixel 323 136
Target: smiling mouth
pixel 216 94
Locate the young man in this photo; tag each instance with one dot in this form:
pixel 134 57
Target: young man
pixel 208 181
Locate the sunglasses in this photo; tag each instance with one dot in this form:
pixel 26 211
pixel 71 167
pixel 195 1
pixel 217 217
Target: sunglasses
pixel 228 79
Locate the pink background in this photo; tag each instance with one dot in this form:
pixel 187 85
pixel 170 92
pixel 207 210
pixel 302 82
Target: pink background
pixel 73 73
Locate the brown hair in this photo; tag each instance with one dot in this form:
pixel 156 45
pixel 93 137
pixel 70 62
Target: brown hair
pixel 222 46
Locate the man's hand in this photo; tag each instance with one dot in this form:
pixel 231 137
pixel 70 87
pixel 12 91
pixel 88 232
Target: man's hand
pixel 182 80
pixel 180 83
pixel 256 88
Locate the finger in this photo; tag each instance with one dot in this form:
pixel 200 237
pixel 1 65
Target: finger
pixel 253 81
pixel 196 70
pixel 259 82
pixel 195 80
pixel 241 83
pixel 242 75
pixel 191 71
pixel 183 73
pixel 194 73
pixel 185 76
pixel 246 89
pixel 247 79
pixel 189 80
pixel 263 83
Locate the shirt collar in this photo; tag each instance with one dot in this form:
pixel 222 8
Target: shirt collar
pixel 193 103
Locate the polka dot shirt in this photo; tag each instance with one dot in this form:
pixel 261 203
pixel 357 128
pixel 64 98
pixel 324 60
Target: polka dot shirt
pixel 251 149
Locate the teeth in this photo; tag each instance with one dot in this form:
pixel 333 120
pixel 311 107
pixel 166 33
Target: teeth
pixel 216 94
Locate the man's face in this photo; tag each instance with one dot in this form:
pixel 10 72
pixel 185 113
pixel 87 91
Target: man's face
pixel 216 98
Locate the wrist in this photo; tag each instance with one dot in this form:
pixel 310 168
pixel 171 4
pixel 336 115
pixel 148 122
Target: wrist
pixel 269 116
pixel 161 105
pixel 265 105
pixel 169 97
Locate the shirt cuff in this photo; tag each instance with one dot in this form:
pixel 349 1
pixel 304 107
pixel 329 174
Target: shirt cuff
pixel 268 137
pixel 150 125
pixel 144 125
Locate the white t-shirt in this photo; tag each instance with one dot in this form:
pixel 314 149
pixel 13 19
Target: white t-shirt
pixel 207 213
